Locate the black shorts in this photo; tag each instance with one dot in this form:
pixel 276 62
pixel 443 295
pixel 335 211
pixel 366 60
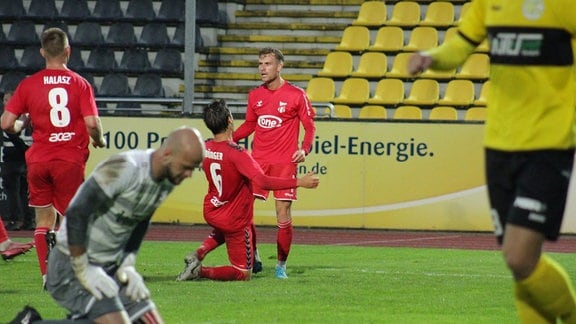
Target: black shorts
pixel 528 189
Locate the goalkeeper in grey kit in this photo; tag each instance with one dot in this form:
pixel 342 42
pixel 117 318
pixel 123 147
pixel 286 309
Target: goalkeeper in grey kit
pixel 92 269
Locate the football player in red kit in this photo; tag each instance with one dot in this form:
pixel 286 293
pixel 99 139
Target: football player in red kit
pixel 275 111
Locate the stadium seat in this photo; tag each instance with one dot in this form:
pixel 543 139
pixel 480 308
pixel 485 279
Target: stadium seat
pixel 399 69
pixel 75 9
pixel 121 34
pixel 475 114
pixel 439 14
pixel 134 60
pixel 42 9
pixel 168 61
pixel 340 111
pixel 405 14
pixel 10 80
pixel 476 67
pixel 449 33
pixel 101 60
pixel 32 60
pixel 179 37
pixel 372 112
pixel 463 9
pixel 337 65
pixel 424 92
pixel 148 85
pixel 440 75
pixel 483 96
pixel 354 39
pixel 140 10
pixel 372 65
pixel 12 9
pixel 76 62
pixel 458 93
pixel 154 34
pixel 107 10
pixel 483 47
pixel 407 112
pixel 443 113
pixel 90 78
pixel 8 60
pixel 114 85
pixel 23 32
pixel 389 92
pixel 320 89
pixel 354 91
pixel 57 24
pixel 207 13
pixel 371 13
pixel 421 38
pixel 172 10
pixel 388 39
pixel 88 33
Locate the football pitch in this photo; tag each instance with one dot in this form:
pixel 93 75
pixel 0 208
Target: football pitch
pixel 326 284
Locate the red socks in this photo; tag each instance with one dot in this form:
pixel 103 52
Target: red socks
pixel 284 240
pixel 41 247
pixel 224 273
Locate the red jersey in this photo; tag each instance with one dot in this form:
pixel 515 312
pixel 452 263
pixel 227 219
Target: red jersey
pixel 57 101
pixel 275 117
pixel 230 171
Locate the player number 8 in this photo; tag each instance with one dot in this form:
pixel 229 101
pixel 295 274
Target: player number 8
pixel 59 112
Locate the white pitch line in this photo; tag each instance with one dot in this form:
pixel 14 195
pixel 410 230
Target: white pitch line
pixel 398 240
pixel 427 274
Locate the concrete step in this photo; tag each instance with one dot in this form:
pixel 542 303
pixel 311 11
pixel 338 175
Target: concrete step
pixel 306 2
pixel 351 14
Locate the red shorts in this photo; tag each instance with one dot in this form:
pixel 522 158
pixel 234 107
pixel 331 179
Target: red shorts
pixel 54 183
pixel 287 170
pixel 239 247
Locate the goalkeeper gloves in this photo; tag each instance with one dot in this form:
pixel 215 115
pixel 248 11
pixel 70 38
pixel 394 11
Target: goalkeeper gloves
pixel 93 278
pixel 127 274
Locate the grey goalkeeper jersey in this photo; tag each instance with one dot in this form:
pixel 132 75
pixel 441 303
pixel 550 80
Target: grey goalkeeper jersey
pixel 132 196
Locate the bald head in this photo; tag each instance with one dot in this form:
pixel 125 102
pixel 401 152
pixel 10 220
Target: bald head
pixel 179 155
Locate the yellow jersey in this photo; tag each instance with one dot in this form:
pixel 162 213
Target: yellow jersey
pixel 532 91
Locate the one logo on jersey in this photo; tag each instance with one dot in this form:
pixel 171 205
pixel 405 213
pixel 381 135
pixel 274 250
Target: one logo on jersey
pixel 516 44
pixel 269 121
pixel 282 106
pixel 533 9
pixel 259 104
pixel 216 202
pixel 61 137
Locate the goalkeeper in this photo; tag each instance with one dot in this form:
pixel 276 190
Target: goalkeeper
pixel 92 269
pixel 529 137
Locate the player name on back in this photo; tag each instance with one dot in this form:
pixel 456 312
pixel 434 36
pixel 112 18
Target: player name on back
pixel 57 79
pixel 214 155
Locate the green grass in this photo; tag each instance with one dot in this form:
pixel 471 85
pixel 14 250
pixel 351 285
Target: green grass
pixel 327 284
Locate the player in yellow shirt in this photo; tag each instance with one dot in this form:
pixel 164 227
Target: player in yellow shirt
pixel 529 137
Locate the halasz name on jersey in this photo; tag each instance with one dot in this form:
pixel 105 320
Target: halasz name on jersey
pixel 269 121
pixel 530 46
pixel 57 79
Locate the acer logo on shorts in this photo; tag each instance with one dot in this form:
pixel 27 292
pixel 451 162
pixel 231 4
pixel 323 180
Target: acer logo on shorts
pixel 61 137
pixel 269 121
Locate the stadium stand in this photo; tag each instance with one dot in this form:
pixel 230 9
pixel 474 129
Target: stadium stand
pixel 154 34
pixel 8 60
pixel 140 10
pixel 12 10
pixel 389 92
pixel 42 9
pixel 134 60
pixel 107 10
pixel 31 60
pixel 88 33
pixel 121 34
pixel 340 111
pixel 74 10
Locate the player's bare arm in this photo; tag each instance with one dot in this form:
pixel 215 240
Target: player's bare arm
pixel 94 126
